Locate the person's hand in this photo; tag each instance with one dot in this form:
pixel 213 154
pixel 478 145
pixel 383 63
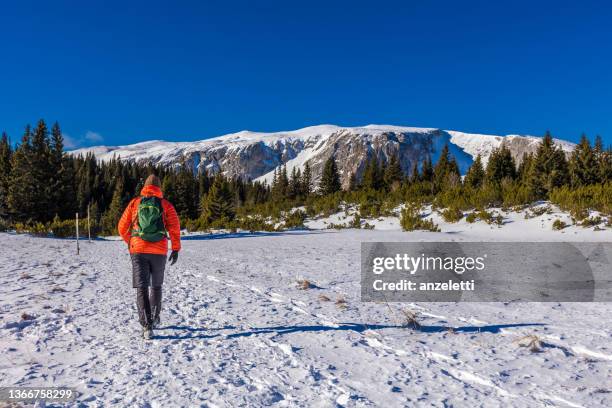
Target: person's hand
pixel 173 257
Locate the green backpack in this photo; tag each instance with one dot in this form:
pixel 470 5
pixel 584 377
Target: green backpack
pixel 150 220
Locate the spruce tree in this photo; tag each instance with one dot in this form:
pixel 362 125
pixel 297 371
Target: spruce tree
pixel 42 174
pixel 283 183
pixel 476 174
pixel 306 180
pixel 372 178
pixel 583 164
pixel 5 174
pixel 185 193
pixel 295 187
pixel 549 169
pixel 330 179
pixel 415 177
pixel 501 166
pixel 524 168
pixel 115 210
pixel 62 196
pixel 203 183
pixel 427 172
pixel 446 170
pixel 218 204
pixel 393 173
pixel 604 160
pixel 22 186
pixel 353 185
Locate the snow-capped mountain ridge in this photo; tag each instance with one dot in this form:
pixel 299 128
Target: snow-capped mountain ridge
pixel 255 155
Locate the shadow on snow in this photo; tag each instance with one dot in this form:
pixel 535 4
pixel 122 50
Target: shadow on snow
pixel 356 327
pixel 229 235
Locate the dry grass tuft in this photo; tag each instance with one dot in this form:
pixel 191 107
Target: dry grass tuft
pixel 304 284
pixel 25 275
pixel 27 316
pixel 341 303
pixel 410 319
pixel 324 298
pixel 531 341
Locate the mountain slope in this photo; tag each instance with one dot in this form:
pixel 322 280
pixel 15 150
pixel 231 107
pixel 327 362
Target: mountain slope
pixel 255 155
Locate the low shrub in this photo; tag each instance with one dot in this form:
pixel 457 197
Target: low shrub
pixel 591 221
pixel 471 218
pixel 295 220
pixel 452 215
pixel 558 225
pixel 355 222
pixel 331 225
pixel 490 218
pixel 579 213
pixel 411 220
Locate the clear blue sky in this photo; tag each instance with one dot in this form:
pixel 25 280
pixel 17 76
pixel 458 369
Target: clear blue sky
pixel 122 72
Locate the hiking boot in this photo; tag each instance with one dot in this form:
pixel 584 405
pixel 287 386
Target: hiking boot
pixel 147 333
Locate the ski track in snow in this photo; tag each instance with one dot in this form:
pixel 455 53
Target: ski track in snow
pixel 236 331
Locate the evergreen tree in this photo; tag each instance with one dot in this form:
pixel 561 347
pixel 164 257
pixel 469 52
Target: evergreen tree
pixel 218 204
pixel 446 170
pixel 476 174
pixel 605 166
pixel 330 179
pixel 115 210
pixel 283 182
pixel 549 169
pixel 42 174
pixel 353 185
pixel 62 194
pixel 22 186
pixel 501 166
pixel 168 187
pixel 414 173
pixel 307 180
pixel 372 178
pixel 427 172
pixel 393 173
pixel 185 193
pixel 583 164
pixel 604 160
pixel 524 168
pixel 5 174
pixel 203 183
pixel 295 184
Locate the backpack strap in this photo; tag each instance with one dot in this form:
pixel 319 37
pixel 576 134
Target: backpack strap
pixel 134 204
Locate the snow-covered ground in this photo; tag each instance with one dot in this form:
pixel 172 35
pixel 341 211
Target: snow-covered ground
pixel 237 331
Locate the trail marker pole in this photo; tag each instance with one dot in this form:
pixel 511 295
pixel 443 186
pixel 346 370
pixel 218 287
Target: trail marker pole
pixel 88 225
pixel 77 233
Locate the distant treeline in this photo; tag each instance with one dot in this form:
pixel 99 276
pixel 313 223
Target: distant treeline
pixel 40 185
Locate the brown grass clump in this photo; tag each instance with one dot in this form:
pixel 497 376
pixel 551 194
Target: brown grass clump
pixel 27 316
pixel 531 341
pixel 410 319
pixel 341 303
pixel 25 275
pixel 304 284
pixel 324 298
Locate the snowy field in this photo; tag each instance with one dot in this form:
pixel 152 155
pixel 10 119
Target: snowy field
pixel 237 331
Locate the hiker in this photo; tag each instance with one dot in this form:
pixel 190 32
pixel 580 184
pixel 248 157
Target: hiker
pixel 144 226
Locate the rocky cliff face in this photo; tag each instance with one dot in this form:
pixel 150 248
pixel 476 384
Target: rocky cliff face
pixel 255 155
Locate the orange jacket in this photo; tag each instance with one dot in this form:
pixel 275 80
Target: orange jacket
pixel 171 221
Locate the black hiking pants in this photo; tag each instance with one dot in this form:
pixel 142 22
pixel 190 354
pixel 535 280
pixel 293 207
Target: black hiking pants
pixel 148 278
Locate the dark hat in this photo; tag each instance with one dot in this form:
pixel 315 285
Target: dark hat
pixel 152 180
